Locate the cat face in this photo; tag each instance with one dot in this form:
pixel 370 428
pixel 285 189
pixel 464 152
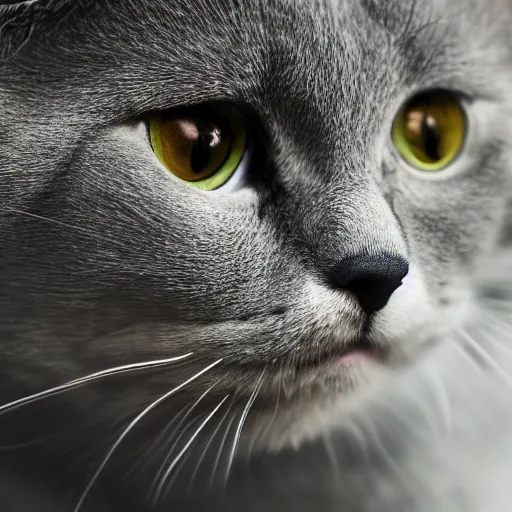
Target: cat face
pixel 330 257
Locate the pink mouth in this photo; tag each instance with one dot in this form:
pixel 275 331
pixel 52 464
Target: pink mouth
pixel 355 357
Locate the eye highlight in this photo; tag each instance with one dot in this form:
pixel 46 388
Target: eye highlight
pixel 201 147
pixel 429 131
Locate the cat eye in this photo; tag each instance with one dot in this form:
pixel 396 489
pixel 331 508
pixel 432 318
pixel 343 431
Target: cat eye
pixel 201 147
pixel 429 131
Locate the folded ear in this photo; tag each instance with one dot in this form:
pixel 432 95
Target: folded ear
pixel 18 20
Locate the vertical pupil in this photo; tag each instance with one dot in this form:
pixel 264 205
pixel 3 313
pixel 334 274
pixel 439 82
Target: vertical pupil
pixel 203 147
pixel 430 137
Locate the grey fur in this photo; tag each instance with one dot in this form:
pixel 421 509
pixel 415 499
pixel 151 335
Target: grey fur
pixel 107 260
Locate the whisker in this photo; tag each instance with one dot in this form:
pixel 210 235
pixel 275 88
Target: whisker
pixel 182 463
pixel 506 326
pixel 500 346
pixel 443 400
pixel 186 447
pixel 33 442
pixel 423 409
pixel 331 454
pixel 133 423
pixel 505 301
pixel 241 423
pixel 221 447
pixel 177 429
pixel 270 424
pixel 386 457
pixel 503 328
pixel 81 229
pixel 144 460
pixel 89 378
pixel 205 450
pixel 254 437
pixel 468 358
pixel 358 433
pixel 487 357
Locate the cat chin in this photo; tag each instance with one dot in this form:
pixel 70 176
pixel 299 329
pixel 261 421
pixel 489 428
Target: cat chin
pixel 316 414
pixel 293 423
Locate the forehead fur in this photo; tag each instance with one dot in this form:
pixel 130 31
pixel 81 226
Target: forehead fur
pixel 276 54
pixel 409 27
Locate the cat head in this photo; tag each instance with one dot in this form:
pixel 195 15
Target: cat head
pixel 298 198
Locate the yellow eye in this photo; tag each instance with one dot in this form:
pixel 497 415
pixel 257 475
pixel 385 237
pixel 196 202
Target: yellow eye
pixel 429 131
pixel 203 149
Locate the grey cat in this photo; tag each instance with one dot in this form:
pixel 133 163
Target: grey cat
pixel 255 255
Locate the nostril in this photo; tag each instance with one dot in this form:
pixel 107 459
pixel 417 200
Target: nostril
pixel 371 278
pixel 373 292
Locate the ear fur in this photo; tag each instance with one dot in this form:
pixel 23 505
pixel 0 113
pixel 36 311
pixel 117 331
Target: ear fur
pixel 19 19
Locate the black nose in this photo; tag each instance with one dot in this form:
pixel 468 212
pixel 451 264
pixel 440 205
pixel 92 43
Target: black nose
pixel 372 279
